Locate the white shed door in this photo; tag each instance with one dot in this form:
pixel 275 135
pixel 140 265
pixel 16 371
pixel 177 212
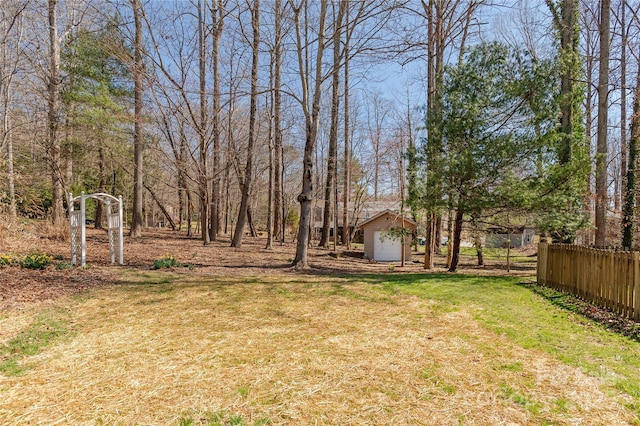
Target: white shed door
pixel 386 248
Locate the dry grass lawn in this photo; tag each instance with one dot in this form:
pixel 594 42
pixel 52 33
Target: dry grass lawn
pixel 254 345
pixel 293 353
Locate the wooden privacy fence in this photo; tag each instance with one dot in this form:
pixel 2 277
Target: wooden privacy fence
pixel 606 278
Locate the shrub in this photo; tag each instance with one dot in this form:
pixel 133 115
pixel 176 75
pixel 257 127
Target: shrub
pixel 7 259
pixel 54 232
pixel 36 261
pixel 166 261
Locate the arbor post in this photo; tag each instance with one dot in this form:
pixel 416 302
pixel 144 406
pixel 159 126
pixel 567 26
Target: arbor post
pixel 77 222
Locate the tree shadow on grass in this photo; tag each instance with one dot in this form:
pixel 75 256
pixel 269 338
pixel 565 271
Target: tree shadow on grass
pixel 605 317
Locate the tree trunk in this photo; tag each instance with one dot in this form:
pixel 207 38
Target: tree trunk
pixel 305 198
pixel 477 240
pixel 13 209
pixel 55 164
pixel 429 249
pixel 252 226
pixel 217 16
pixel 589 71
pixel 101 187
pixel 162 208
pixel 332 163
pixel 412 167
pixel 203 189
pixel 435 67
pixel 455 246
pixel 67 151
pixel 189 213
pixel 629 208
pixel 11 56
pixel 479 251
pixel 623 104
pixel 228 153
pixel 138 142
pixel 181 205
pixel 7 138
pixel 270 207
pixel 568 41
pixel 602 149
pixel 278 166
pixel 346 184
pixel 449 236
pixel 183 189
pixel 564 19
pixel 248 172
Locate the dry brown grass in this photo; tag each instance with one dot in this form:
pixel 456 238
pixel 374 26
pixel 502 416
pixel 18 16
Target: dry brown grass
pixel 243 334
pixel 317 352
pixel 17 236
pixel 50 232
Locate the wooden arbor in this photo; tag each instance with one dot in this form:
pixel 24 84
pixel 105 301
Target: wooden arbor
pixel 77 220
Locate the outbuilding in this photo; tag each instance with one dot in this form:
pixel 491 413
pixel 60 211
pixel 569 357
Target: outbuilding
pixel 383 235
pixel 516 236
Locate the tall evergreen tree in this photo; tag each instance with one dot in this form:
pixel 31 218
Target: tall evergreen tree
pixel 96 94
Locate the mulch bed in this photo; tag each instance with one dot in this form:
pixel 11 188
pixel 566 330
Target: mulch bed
pixel 22 286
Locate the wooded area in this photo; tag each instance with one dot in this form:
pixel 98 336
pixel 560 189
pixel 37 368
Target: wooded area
pixel 286 118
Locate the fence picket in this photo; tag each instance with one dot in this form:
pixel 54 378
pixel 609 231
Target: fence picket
pixel 605 278
pixel 636 285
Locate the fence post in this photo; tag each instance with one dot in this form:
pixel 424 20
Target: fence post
pixel 541 273
pixel 636 285
pixel 629 285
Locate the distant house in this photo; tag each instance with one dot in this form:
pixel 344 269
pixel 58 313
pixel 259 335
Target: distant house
pixel 358 213
pixel 518 237
pixel 381 243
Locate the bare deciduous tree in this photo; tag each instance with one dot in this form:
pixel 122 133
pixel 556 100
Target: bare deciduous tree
pixel 603 114
pixel 53 118
pixel 138 142
pixel 203 143
pixel 332 165
pixel 217 15
pixel 247 180
pixel 311 113
pixel 10 37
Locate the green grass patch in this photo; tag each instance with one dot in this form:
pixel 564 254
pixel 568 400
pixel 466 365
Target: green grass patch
pixel 155 281
pixel 516 367
pixel 220 418
pixel 61 266
pixel 499 254
pixel 513 395
pixel 505 306
pixel 243 391
pixel 48 327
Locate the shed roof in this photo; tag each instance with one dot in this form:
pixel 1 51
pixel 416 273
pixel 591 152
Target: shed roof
pixel 396 215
